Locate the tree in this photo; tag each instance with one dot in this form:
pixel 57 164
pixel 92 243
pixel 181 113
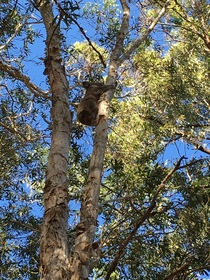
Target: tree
pixel 149 207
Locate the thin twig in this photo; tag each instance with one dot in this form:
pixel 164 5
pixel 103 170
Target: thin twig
pixel 82 31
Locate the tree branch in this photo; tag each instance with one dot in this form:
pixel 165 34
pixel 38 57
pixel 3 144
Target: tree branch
pixel 119 46
pixel 145 216
pixel 139 41
pixel 199 147
pixel 18 27
pixel 82 31
pixel 16 74
pixel 14 130
pixel 177 271
pixel 195 142
pixel 193 28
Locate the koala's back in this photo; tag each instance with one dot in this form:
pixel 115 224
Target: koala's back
pixel 87 111
pixel 88 107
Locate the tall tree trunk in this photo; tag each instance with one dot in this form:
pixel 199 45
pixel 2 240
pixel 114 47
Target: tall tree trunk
pixel 54 245
pixel 89 209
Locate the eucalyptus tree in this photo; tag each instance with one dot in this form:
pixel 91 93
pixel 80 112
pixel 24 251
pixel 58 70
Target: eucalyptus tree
pixel 149 206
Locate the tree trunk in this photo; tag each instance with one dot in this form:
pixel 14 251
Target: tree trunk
pixel 84 251
pixel 54 245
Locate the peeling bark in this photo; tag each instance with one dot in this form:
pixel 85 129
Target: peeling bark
pixel 54 241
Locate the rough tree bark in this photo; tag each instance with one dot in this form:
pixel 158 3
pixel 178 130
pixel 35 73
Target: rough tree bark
pixel 84 251
pixel 54 241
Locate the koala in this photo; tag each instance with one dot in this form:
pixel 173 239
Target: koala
pixel 87 109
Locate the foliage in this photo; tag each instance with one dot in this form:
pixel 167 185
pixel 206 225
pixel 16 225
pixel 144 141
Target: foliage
pixel 154 198
pixel 104 17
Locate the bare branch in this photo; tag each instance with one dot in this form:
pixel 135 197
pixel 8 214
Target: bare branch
pixel 90 43
pixel 195 142
pixel 16 74
pixel 191 163
pixel 27 226
pixel 199 147
pixel 26 113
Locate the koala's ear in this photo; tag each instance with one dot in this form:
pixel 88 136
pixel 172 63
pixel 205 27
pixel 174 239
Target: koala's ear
pixel 86 85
